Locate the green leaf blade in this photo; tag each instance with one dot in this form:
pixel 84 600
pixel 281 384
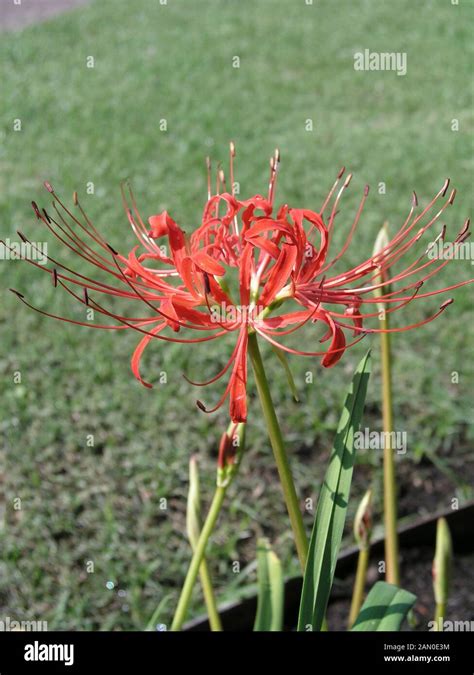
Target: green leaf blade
pixel 331 511
pixel 384 608
pixel 270 589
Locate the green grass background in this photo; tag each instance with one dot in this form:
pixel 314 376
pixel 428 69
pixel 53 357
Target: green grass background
pixel 102 503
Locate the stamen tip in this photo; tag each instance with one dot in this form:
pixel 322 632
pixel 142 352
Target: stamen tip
pixel 74 198
pixel 464 232
pixel 348 180
pixel 54 277
pixel 207 285
pixel 414 199
pixel 452 196
pixel 201 405
pixel 341 172
pixel 111 249
pixel 17 293
pixel 366 190
pixel 36 210
pixel 232 149
pixel 445 186
pixel 48 186
pixel 446 303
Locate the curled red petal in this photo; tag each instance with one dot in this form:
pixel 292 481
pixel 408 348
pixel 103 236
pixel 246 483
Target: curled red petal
pixel 338 343
pixel 279 275
pixel 159 225
pixel 238 387
pixel 140 348
pixel 207 264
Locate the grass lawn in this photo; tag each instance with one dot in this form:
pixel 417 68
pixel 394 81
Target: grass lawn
pixel 103 503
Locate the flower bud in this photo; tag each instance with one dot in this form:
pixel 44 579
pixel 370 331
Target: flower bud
pixel 363 521
pixel 381 242
pixel 193 512
pixel 442 562
pixel 231 448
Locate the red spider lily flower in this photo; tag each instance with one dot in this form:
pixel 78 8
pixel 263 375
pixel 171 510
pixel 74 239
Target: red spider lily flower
pixel 234 273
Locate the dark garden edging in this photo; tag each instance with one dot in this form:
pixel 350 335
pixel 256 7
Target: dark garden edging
pixel 239 616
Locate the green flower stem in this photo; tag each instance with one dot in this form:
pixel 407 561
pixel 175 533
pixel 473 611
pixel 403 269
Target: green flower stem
pixel 193 526
pixel 359 585
pixel 198 556
pixel 209 597
pixel 440 613
pixel 279 451
pixel 392 572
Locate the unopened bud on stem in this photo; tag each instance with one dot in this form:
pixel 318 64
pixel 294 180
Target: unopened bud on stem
pixel 363 521
pixel 379 253
pixel 231 448
pixel 442 562
pixel 193 512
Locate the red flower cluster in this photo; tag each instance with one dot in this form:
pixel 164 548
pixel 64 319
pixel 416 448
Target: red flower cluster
pixel 234 273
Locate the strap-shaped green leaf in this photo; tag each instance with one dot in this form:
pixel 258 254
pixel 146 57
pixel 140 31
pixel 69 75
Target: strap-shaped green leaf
pixel 384 608
pixel 270 589
pixel 332 506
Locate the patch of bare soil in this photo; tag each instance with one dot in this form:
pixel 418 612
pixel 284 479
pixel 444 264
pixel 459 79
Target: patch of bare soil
pixel 16 14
